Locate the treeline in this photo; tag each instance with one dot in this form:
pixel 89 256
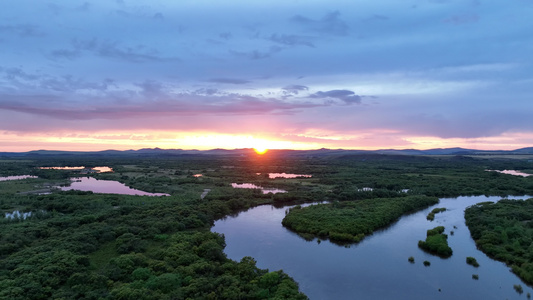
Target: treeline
pixel 349 222
pixel 89 246
pixel 504 231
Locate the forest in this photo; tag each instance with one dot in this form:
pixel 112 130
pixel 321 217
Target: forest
pixel 504 231
pixel 84 245
pixel 350 222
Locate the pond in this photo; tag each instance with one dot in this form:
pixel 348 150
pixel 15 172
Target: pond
pixel 253 186
pixel 285 175
pixel 377 267
pixel 18 177
pixel 21 215
pixel 511 172
pixel 82 169
pixel 105 186
pixel 17 214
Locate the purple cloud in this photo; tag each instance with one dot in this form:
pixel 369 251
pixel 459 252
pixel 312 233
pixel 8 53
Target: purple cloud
pixel 347 96
pixel 229 80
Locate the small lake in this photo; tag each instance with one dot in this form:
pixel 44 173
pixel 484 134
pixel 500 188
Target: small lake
pixel 18 177
pixel 512 172
pixel 377 267
pixel 253 186
pixel 19 214
pixel 82 169
pixel 285 175
pixel 105 186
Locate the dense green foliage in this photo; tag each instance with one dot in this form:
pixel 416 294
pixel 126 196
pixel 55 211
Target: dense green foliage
pixel 105 246
pixel 472 261
pixel 352 221
pixel 436 242
pixel 125 247
pixel 504 231
pixel 431 215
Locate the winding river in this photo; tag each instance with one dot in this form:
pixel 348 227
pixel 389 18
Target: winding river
pixel 376 268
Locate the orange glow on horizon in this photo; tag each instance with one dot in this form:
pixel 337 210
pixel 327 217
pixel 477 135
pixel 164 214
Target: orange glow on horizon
pixel 99 141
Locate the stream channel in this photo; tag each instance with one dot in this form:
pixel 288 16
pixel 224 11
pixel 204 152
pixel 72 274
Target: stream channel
pixel 377 267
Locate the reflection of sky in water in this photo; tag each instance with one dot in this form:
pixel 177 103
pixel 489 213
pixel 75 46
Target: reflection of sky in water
pixel 285 175
pixel 18 214
pixel 253 186
pixel 105 186
pixel 97 169
pixel 377 267
pixel 512 172
pixel 6 178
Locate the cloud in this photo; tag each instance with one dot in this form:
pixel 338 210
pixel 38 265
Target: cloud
pixel 229 80
pixel 330 24
pixel 295 89
pixel 376 17
pixel 153 100
pixel 291 40
pixel 22 30
pixel 112 49
pixel 256 54
pixel 462 19
pixel 347 96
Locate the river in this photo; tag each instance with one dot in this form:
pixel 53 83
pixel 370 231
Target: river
pixel 377 267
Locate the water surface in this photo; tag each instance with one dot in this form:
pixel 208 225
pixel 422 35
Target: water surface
pixel 285 175
pixel 376 268
pixel 511 172
pixel 105 186
pixel 253 186
pixel 18 177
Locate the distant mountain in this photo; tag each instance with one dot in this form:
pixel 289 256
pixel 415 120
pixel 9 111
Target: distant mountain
pixel 248 151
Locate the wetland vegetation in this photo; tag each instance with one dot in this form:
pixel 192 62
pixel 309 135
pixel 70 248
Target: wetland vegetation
pixel 107 246
pixel 436 242
pixel 504 231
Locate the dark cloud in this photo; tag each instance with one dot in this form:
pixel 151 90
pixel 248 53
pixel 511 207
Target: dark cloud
pixel 291 40
pixel 295 89
pixel 462 19
pixel 256 54
pixel 229 80
pixel 22 30
pixel 347 96
pixel 379 18
pixel 151 89
pixel 113 49
pixel 173 104
pixel 225 35
pixel 64 54
pixel 330 24
pixel 22 81
pixel 17 73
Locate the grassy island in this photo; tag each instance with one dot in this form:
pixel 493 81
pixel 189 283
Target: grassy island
pixel 350 222
pixel 504 231
pixel 431 215
pixel 436 242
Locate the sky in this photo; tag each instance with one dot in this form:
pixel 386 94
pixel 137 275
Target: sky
pixel 278 74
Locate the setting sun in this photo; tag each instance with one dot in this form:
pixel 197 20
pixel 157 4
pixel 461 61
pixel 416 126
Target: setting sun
pixel 260 150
